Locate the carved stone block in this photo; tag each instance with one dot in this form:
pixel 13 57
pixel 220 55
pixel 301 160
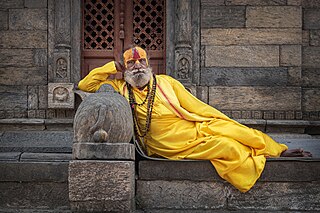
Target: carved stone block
pixel 3 20
pixel 28 19
pixel 290 55
pixel 60 95
pixel 311 19
pixel 101 186
pixel 61 65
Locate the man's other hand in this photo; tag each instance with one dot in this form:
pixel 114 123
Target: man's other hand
pixel 119 66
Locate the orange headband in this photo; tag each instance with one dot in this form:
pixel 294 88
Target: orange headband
pixel 134 53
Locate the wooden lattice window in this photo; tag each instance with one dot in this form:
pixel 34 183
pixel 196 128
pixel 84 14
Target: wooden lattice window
pixel 148 24
pixel 110 26
pixel 99 24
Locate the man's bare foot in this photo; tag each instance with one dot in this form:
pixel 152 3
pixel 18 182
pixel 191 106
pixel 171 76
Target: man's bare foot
pixel 296 153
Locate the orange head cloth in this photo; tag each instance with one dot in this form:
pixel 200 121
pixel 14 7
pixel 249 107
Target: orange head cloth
pixel 134 53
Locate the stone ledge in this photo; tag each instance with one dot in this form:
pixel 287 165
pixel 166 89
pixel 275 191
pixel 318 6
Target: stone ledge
pixel 33 171
pixel 35 124
pixel 47 157
pixel 36 141
pixel 104 151
pixel 280 169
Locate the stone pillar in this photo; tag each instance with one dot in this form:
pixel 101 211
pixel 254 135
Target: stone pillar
pixel 183 40
pixel 60 77
pixel 102 172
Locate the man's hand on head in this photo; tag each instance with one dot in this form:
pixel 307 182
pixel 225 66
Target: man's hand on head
pixel 119 66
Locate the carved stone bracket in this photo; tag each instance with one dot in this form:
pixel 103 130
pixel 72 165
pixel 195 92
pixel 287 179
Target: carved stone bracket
pixel 60 95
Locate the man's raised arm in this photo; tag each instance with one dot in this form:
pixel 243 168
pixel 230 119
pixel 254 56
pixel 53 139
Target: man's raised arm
pixel 99 76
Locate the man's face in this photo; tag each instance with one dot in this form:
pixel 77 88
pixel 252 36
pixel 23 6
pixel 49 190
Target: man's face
pixel 137 72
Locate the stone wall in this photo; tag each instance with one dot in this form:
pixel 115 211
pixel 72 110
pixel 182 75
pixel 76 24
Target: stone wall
pixel 260 59
pixel 249 58
pixel 27 43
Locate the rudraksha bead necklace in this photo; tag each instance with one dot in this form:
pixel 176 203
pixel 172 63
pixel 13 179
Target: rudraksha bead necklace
pixel 150 97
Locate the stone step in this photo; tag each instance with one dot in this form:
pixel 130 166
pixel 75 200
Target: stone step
pixel 36 141
pixel 40 186
pixel 194 186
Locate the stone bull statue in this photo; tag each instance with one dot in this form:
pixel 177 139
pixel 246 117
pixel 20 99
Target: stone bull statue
pixel 104 116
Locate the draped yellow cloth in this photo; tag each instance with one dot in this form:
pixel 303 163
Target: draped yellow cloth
pixel 183 127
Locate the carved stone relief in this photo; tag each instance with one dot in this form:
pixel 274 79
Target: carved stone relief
pixel 184 64
pixel 61 65
pixel 60 95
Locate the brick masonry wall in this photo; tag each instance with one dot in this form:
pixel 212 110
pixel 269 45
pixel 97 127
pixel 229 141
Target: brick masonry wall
pixel 260 59
pixel 24 60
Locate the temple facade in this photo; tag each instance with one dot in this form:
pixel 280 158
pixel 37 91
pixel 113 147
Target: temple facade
pixel 251 59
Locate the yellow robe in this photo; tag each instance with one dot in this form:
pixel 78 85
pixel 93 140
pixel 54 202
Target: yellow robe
pixel 183 127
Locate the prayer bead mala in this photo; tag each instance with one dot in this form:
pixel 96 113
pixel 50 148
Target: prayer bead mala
pixel 150 97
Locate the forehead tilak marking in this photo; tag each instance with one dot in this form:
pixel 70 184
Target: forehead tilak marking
pixel 135 54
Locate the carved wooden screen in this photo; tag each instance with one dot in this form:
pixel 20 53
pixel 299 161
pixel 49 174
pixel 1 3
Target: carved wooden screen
pixel 111 26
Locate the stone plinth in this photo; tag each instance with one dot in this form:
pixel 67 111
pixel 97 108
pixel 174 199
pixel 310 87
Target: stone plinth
pixel 101 186
pixel 102 177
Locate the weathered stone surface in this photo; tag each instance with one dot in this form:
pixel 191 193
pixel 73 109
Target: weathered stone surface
pixel 310 77
pixel 6 4
pixel 310 99
pixel 273 196
pixel 40 57
pixel 311 57
pixel 276 169
pixel 183 170
pixel 103 151
pixel 13 97
pixel 314 37
pixel 21 76
pixel 305 37
pixel 311 19
pixel 211 76
pixel 294 2
pixel 10 57
pixel 205 3
pixel 61 95
pixel 104 117
pixel 294 76
pixel 202 93
pixel 34 171
pixel 160 194
pixel 225 17
pixel 256 2
pixel 36 141
pixel 23 39
pixel 110 184
pixel 255 98
pixel 310 4
pixel 3 20
pixel 10 156
pixel 43 97
pixel 35 3
pixel 290 126
pixel 242 56
pixel 28 19
pixel 250 36
pixel 39 195
pixel 33 97
pixel 282 17
pixel 47 157
pixel 290 55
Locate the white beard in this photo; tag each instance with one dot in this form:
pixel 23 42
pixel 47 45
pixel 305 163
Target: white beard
pixel 138 78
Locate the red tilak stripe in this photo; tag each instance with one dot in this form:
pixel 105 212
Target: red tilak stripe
pixel 170 102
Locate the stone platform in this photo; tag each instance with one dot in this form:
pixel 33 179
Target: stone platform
pixel 34 177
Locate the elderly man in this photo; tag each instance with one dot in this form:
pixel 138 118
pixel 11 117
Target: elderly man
pixel 173 124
